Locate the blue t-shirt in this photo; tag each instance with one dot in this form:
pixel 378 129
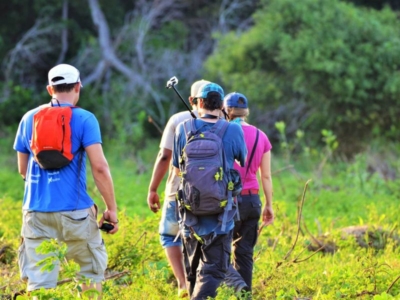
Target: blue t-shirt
pixel 60 189
pixel 235 149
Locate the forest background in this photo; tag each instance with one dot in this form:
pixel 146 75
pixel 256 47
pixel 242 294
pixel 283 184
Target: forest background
pixel 322 78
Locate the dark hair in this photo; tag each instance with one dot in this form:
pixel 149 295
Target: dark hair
pixel 64 88
pixel 213 101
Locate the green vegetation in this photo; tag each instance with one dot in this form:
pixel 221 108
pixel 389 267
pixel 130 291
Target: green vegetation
pixel 316 256
pixel 322 78
pixel 340 61
pixel 313 64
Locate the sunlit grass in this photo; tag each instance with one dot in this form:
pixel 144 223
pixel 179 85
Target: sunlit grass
pixel 340 195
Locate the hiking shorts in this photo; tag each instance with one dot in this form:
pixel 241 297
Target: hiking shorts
pixel 169 227
pixel 78 229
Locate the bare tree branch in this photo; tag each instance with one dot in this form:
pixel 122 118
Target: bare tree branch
pixel 107 49
pixel 32 49
pixel 64 34
pixel 147 15
pixel 96 74
pixel 31 46
pixel 150 13
pixel 228 17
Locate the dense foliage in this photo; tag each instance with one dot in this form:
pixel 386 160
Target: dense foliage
pixel 342 62
pixel 314 64
pixel 126 51
pixel 328 69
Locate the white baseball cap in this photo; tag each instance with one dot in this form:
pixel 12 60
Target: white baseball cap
pixel 64 73
pixel 196 85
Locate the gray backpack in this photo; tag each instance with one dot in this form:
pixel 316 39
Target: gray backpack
pixel 207 186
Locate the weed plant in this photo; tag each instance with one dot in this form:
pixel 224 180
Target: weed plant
pixel 306 254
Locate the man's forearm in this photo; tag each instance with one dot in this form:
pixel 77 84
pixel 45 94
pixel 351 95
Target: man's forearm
pixel 160 169
pixel 104 184
pixel 22 163
pixel 101 174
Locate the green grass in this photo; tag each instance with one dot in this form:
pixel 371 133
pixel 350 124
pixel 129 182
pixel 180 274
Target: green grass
pixel 341 195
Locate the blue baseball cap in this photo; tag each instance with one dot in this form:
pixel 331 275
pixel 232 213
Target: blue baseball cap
pixel 236 100
pixel 209 87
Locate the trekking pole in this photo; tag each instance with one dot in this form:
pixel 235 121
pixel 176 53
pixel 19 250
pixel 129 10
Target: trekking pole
pixel 171 84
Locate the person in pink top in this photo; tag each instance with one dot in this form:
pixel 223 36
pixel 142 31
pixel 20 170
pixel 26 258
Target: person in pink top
pixel 250 206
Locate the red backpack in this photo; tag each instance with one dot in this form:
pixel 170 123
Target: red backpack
pixel 51 137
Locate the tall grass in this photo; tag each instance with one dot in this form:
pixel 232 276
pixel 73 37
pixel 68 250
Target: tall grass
pixel 317 260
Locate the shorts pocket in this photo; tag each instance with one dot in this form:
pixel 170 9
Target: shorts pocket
pixel 31 226
pixel 22 261
pixel 76 225
pixel 99 257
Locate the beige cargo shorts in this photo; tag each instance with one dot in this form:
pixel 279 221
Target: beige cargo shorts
pixel 78 229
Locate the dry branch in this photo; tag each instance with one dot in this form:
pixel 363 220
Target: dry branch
pixel 300 211
pixel 32 49
pixel 61 282
pixel 228 18
pixel 308 257
pixel 282 169
pixel 392 284
pixel 112 276
pixel 64 34
pixel 150 119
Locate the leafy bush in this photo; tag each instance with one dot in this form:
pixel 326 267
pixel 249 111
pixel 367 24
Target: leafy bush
pixel 342 61
pixel 290 261
pixel 19 101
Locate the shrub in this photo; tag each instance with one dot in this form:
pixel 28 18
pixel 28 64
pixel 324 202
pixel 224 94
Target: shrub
pixel 342 61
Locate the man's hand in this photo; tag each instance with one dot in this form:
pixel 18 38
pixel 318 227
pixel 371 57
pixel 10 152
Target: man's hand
pixel 110 216
pixel 153 201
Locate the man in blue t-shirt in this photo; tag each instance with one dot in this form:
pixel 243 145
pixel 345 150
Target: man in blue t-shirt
pixel 207 246
pixel 56 204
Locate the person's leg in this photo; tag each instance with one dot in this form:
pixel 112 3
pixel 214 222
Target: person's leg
pixel 171 242
pixel 245 237
pixel 36 228
pixel 97 286
pixel 175 259
pixel 213 265
pixel 192 254
pixel 32 272
pixel 86 247
pixel 234 280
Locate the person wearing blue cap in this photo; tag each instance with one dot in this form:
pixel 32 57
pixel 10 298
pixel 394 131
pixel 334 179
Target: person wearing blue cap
pixel 246 230
pixel 168 226
pixel 207 241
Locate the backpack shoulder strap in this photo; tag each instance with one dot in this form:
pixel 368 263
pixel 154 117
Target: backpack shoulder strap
pixel 252 154
pixel 220 127
pixel 190 128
